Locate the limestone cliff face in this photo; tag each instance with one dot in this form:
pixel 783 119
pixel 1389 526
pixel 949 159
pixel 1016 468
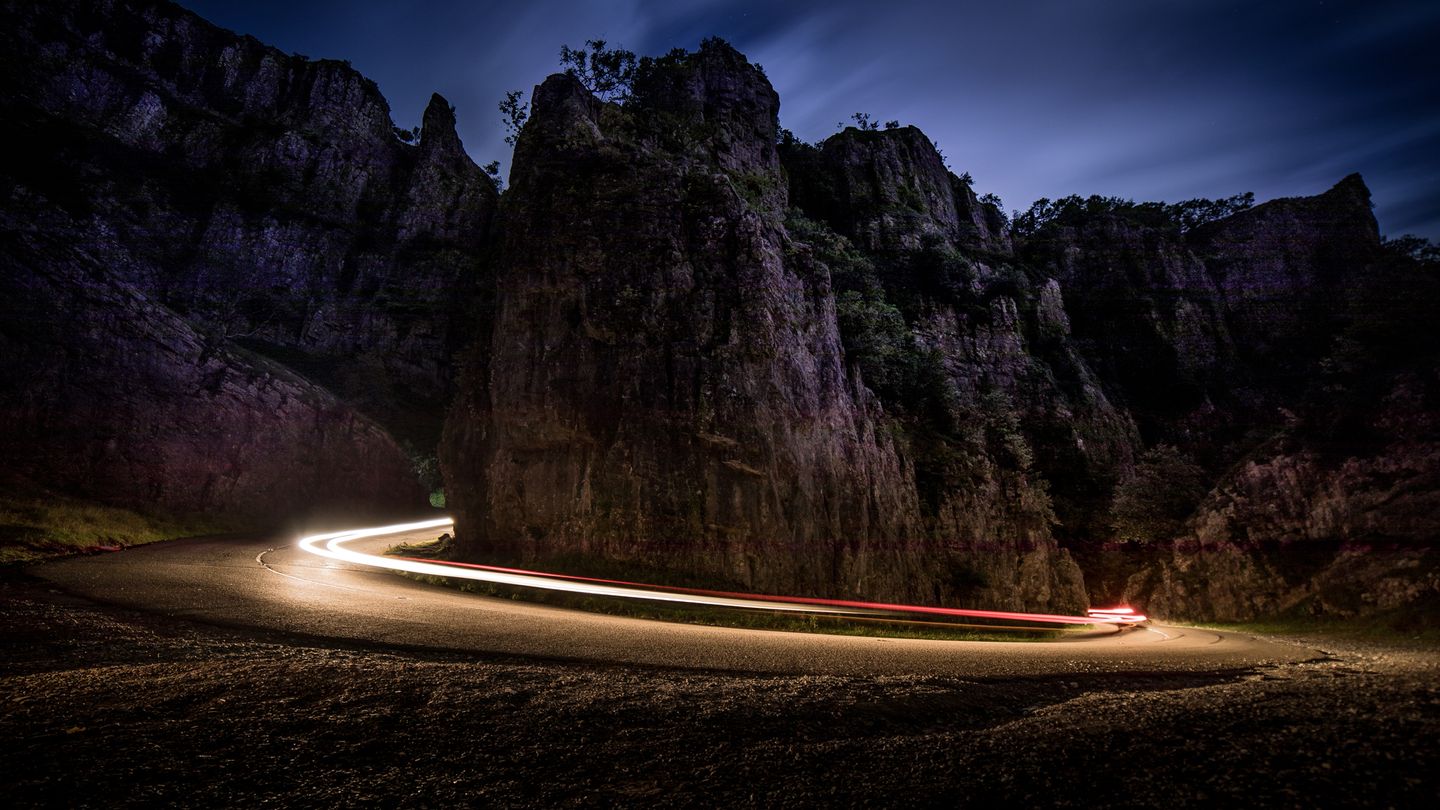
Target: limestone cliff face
pixel 112 396
pixel 889 190
pixel 1147 316
pixel 1297 530
pixel 1264 346
pixel 264 196
pixel 666 382
pixel 1335 515
pixel 1216 328
pixel 1283 270
pixel 829 369
pixel 999 331
pixel 1109 331
pixel 221 198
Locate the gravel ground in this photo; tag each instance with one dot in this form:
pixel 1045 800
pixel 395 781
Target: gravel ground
pixel 104 707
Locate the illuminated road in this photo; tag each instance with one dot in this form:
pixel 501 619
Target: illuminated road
pixel 275 585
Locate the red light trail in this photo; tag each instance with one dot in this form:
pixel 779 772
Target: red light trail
pixel 331 545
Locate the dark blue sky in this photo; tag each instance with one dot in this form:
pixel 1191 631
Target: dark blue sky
pixel 1149 99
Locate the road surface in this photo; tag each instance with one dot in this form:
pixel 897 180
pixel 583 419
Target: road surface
pixel 272 585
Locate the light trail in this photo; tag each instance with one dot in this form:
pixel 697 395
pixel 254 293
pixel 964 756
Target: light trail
pixel 1118 614
pixel 332 546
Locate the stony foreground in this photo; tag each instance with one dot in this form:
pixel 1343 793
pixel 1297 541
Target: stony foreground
pixel 109 707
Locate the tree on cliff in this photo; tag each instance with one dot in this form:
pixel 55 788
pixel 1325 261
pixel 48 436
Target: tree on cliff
pixel 865 122
pixel 611 75
pixel 1076 210
pixel 516 112
pixel 1194 213
pixel 1152 505
pixel 606 72
pixel 492 171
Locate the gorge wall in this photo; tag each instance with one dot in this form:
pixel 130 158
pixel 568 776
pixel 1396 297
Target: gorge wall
pixel 1278 355
pixel 263 196
pixel 666 384
pixel 113 397
pixel 686 343
pixel 186 210
pixel 1333 512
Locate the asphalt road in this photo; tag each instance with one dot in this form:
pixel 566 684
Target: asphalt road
pixel 271 585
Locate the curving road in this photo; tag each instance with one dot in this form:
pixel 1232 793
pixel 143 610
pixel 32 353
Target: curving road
pixel 274 585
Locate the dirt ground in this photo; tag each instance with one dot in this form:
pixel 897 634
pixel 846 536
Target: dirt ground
pixel 106 707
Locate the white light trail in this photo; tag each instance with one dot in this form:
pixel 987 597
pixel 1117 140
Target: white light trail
pixel 332 546
pixel 334 549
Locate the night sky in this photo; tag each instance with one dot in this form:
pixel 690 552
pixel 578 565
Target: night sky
pixel 1148 99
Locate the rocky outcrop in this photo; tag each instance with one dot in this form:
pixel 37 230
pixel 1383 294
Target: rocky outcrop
pixel 1107 331
pixel 1000 330
pixel 1336 515
pixel 1284 269
pixel 890 191
pixel 1209 332
pixel 264 196
pixel 666 383
pixel 1146 315
pixel 184 208
pixel 1224 342
pixel 1300 531
pixel 113 397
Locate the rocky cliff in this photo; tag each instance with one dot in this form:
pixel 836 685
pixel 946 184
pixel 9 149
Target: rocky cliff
pixel 1301 530
pixel 1333 515
pixel 1146 315
pixel 226 206
pixel 265 197
pixel 694 346
pixel 1284 271
pixel 1107 337
pixel 890 190
pixel 996 332
pixel 667 385
pixel 1275 355
pixel 111 396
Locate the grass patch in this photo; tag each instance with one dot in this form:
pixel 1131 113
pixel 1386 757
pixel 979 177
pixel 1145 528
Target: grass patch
pixel 695 614
pixel 1414 627
pixel 36 524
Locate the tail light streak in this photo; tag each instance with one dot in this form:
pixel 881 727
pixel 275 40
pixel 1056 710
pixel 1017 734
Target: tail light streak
pixel 332 546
